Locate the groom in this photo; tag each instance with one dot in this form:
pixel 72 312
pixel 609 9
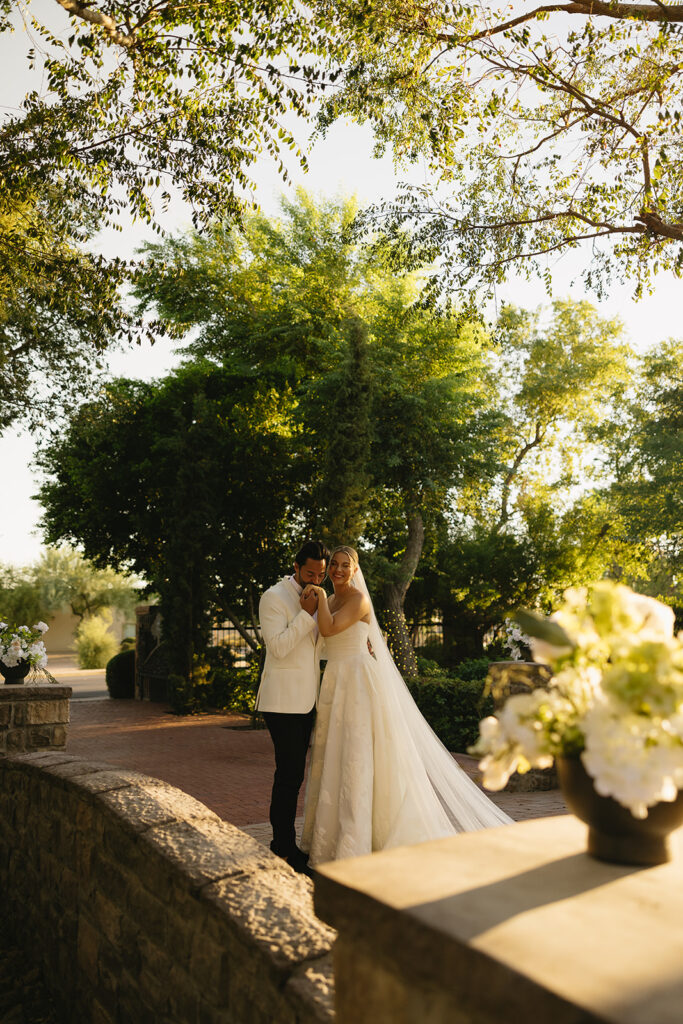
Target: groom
pixel 289 688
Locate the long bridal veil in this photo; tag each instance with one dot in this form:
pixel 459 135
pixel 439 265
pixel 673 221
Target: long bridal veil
pixel 460 805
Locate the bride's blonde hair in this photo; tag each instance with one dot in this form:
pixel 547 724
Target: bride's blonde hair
pixel 351 552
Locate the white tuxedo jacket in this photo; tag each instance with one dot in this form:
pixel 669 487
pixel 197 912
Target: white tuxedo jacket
pixel 291 673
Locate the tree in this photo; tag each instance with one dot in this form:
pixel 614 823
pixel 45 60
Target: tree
pixel 62 578
pixel 646 457
pixel 541 521
pixel 60 308
pixel 140 102
pixel 546 127
pixel 185 482
pixel 144 97
pixel 384 392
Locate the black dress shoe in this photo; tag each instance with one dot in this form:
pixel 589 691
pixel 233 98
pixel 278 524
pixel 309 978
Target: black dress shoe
pixel 300 866
pixel 295 857
pixel 289 851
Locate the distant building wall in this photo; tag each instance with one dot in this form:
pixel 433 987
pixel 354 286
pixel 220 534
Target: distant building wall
pixel 59 638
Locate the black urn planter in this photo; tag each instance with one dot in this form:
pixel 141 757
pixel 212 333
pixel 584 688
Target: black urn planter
pixel 15 673
pixel 613 833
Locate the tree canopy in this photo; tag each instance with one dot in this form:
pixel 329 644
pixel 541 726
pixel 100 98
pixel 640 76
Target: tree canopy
pixel 545 126
pixel 134 103
pixel 384 392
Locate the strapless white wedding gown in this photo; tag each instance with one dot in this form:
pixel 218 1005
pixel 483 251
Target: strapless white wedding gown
pixel 379 777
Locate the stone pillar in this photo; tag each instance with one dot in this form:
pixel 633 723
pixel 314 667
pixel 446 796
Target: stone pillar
pixel 506 679
pixel 33 717
pixel 151 670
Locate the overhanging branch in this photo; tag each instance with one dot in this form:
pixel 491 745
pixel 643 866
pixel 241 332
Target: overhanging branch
pixel 99 18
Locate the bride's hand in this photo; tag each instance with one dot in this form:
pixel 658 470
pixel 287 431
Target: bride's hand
pixel 310 589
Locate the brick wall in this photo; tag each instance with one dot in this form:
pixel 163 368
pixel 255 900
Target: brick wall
pixel 143 906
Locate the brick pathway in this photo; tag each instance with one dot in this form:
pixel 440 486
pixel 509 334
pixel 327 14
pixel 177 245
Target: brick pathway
pixel 218 759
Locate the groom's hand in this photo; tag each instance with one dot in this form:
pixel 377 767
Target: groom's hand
pixel 309 601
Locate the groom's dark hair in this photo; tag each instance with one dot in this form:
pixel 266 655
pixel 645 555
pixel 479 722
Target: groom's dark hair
pixel 314 549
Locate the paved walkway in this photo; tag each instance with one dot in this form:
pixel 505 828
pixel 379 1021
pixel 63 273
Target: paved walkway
pixel 86 683
pixel 219 759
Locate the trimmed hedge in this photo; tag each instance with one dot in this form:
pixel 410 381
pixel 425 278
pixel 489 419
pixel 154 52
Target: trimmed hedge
pixel 453 708
pixel 120 675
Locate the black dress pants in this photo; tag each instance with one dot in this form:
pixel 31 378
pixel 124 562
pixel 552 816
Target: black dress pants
pixel 291 735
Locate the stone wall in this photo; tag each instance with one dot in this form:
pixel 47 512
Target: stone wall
pixel 144 906
pixel 33 717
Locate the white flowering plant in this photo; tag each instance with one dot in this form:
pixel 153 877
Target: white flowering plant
pixel 615 698
pixel 23 643
pixel 515 640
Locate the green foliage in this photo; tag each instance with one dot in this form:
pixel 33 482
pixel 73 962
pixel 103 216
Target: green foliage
pixel 20 599
pixel 62 578
pixel 138 100
pixel 128 105
pixel 549 126
pixel 59 306
pixel 186 482
pixel 234 689
pixel 120 675
pixel 473 669
pixel 181 695
pixel 453 707
pixel 94 644
pixel 385 397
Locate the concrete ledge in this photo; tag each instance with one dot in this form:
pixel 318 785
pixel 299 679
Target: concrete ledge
pixel 145 906
pixel 510 924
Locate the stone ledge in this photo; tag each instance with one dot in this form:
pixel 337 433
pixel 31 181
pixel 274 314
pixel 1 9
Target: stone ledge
pixel 160 888
pixel 34 691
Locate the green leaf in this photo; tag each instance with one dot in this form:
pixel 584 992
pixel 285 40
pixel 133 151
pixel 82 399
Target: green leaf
pixel 542 628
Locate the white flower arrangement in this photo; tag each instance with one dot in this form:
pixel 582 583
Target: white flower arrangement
pixel 615 699
pixel 514 639
pixel 23 643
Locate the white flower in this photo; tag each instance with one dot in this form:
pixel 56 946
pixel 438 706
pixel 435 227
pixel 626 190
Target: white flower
pixel 42 626
pixel 616 697
pixel 649 616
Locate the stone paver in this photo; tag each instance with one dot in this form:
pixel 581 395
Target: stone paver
pixel 219 759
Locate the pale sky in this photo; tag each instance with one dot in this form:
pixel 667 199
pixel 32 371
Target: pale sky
pixel 342 163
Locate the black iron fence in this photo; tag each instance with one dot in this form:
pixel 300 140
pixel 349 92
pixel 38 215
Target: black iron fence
pixel 423 634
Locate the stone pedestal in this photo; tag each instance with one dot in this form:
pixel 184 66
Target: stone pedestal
pixel 511 677
pixel 510 924
pixel 33 717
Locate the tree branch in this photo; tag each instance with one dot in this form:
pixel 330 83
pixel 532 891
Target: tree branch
pixel 511 474
pixel 590 8
pixel 103 21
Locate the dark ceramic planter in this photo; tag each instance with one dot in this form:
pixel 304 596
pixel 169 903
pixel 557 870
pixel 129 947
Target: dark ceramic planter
pixel 15 673
pixel 613 833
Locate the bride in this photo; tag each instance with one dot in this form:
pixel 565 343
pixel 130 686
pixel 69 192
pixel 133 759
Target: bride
pixel 379 777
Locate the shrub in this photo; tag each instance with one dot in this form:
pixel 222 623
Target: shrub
pixel 94 644
pixel 472 668
pixel 181 695
pixel 234 689
pixel 120 675
pixel 453 708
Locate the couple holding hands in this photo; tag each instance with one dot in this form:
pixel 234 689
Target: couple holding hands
pixel 379 777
